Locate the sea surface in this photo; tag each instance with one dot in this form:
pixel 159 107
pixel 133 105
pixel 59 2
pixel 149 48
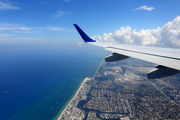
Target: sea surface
pixel 37 81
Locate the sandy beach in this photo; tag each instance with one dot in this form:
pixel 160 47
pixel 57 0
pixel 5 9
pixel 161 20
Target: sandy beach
pixel 73 97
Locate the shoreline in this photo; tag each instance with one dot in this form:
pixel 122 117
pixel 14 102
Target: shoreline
pixel 73 97
pixel 100 67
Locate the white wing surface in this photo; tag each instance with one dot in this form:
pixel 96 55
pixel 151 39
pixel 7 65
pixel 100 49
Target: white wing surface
pixel 168 60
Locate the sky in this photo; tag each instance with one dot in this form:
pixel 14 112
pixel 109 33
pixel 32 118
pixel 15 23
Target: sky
pixel 139 22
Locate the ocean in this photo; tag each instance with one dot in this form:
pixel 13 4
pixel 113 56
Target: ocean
pixel 37 81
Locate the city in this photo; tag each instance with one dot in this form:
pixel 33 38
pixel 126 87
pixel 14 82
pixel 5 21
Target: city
pixel 121 90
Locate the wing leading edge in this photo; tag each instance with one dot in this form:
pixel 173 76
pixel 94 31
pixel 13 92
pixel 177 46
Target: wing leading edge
pixel 168 60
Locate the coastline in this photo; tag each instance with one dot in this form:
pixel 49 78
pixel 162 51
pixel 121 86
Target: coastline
pixel 86 79
pixel 99 67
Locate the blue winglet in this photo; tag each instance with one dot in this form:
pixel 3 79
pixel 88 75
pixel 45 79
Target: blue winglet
pixel 83 35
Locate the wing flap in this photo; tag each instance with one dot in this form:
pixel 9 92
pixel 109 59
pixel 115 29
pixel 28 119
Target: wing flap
pixel 161 71
pixel 115 57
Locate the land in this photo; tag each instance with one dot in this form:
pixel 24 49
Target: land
pixel 81 87
pixel 121 90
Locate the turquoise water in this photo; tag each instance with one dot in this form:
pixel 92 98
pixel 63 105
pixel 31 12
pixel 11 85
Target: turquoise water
pixel 40 80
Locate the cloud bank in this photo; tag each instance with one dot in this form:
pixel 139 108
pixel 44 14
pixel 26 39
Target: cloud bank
pixel 145 8
pixel 167 36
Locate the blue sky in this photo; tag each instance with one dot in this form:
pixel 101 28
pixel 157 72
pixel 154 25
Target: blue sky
pixel 52 20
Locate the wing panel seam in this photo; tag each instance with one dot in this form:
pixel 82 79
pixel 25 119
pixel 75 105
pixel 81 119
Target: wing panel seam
pixel 144 53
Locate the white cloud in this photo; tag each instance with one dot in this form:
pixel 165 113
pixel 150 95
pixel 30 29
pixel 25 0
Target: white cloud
pixel 7 6
pixel 19 38
pixel 19 28
pixel 79 43
pixel 60 13
pixel 167 36
pixel 6 35
pixel 55 28
pixel 66 0
pixel 145 8
pixel 28 31
pixel 15 28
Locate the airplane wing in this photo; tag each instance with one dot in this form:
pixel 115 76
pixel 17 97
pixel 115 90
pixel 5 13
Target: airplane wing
pixel 168 60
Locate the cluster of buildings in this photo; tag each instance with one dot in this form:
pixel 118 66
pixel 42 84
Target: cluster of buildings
pixel 122 91
pixel 110 102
